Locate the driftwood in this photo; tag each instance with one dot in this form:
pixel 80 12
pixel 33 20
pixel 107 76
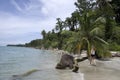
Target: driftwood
pixel 82 59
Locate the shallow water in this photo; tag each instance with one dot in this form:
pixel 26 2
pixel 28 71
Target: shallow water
pixel 17 60
pixel 19 63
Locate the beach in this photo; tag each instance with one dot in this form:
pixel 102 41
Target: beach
pixel 18 63
pixel 104 70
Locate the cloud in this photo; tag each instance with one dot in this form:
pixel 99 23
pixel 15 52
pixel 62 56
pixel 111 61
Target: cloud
pixel 58 8
pixel 32 18
pixel 29 8
pixel 16 24
pixel 16 5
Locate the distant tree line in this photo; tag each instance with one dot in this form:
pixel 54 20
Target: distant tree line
pixel 16 45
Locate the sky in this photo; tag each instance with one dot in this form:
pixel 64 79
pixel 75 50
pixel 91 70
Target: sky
pixel 23 20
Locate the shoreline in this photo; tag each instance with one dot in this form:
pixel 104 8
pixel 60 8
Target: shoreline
pixel 104 70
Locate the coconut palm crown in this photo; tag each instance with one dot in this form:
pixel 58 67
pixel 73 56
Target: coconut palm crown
pixel 91 30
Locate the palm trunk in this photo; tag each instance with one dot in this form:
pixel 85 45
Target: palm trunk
pixel 90 59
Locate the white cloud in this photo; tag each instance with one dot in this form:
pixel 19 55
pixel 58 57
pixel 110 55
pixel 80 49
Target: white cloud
pixel 36 16
pixel 16 5
pixel 58 8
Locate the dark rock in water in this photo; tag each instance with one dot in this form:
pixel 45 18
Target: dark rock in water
pixel 60 66
pixel 66 61
pixel 16 77
pixel 21 76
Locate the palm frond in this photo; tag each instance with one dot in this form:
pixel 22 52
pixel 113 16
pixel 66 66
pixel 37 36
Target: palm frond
pixel 101 40
pixel 95 31
pixel 100 19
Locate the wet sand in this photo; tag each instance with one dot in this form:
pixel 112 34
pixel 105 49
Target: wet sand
pixel 105 70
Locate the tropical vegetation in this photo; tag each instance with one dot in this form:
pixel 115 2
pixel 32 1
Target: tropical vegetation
pixel 94 24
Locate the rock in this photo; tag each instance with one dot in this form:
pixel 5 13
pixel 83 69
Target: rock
pixel 16 77
pixel 66 61
pixel 21 76
pixel 75 69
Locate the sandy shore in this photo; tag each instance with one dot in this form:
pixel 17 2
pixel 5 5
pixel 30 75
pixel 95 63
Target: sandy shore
pixel 104 70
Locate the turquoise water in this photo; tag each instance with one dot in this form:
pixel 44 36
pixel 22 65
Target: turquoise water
pixel 18 60
pixel 30 64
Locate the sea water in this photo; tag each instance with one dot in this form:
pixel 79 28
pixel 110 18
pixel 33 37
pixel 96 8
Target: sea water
pixel 20 63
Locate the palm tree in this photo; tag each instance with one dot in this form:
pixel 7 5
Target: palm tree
pixel 111 11
pixel 59 27
pixel 91 30
pixel 43 33
pixel 68 22
pixel 106 10
pixel 72 22
pixel 116 6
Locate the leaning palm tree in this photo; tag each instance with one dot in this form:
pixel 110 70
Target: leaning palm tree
pixel 91 30
pixel 89 36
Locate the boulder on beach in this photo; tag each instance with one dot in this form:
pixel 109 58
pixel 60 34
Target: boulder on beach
pixel 66 61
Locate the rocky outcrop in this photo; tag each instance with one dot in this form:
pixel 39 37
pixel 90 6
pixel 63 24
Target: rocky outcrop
pixel 66 61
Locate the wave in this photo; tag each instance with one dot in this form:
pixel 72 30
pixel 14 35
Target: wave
pixel 20 76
